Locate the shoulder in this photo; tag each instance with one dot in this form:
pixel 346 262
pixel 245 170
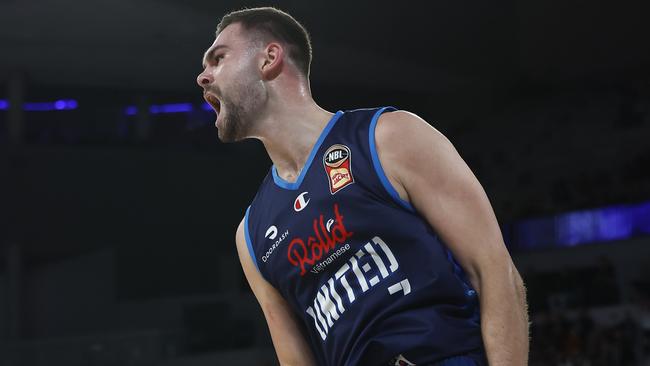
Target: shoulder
pixel 240 238
pixel 404 140
pixel 406 146
pixel 404 124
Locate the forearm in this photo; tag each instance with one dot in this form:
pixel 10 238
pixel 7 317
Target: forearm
pixel 504 320
pixel 291 345
pixel 296 358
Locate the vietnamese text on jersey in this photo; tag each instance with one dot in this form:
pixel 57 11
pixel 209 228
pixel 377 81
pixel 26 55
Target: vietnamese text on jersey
pixel 367 275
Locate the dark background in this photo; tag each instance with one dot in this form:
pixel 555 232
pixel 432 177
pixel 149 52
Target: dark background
pixel 118 230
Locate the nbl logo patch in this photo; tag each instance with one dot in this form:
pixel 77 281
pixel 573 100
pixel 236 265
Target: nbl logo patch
pixel 337 162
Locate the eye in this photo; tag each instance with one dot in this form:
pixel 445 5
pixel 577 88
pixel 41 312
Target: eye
pixel 218 58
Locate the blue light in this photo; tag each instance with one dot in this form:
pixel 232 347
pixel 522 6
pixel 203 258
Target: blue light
pixel 59 105
pixel 206 106
pixel 580 227
pixel 38 107
pixel 71 104
pixel 577 227
pixel 166 108
pixel 614 223
pixel 34 107
pixel 171 108
pixel 131 110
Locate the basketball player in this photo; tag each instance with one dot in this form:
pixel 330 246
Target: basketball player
pixel 370 241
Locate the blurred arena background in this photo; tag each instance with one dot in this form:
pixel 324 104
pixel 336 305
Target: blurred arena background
pixel 118 204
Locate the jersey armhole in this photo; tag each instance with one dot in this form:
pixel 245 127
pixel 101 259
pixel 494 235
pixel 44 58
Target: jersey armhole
pixel 377 164
pixel 249 243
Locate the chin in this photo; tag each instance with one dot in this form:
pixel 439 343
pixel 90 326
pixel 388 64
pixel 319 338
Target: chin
pixel 225 138
pixel 227 135
pixel 232 129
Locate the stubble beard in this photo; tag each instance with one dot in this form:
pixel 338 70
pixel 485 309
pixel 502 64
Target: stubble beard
pixel 238 122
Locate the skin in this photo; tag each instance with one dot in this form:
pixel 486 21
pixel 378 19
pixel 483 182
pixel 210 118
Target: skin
pixel 264 96
pixel 451 199
pixel 283 109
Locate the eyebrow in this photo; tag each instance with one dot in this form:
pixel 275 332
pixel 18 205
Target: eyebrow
pixel 209 53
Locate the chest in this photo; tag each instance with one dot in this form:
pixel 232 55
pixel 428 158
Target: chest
pixel 300 228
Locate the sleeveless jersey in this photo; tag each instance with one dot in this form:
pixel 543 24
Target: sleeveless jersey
pixel 367 275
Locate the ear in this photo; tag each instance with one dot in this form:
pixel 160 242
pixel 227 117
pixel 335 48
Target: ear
pixel 272 61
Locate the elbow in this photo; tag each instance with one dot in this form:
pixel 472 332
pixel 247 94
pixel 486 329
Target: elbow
pixel 504 280
pixel 520 287
pixel 503 275
pixel 517 283
pixel 515 278
pixel 521 301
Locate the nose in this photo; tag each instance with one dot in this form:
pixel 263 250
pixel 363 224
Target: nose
pixel 204 79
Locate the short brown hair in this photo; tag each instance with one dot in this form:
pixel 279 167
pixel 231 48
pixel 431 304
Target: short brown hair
pixel 276 24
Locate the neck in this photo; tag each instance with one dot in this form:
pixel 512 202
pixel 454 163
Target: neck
pixel 289 131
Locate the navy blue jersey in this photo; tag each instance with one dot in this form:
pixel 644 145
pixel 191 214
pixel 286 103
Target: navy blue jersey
pixel 368 276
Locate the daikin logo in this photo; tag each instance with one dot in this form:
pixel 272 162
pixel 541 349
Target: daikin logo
pixel 300 203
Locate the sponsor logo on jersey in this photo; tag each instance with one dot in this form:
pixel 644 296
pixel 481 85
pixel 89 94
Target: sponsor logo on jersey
pixel 337 163
pixel 271 234
pixel 300 203
pixel 401 361
pixel 305 253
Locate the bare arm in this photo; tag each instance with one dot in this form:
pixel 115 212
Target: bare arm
pixel 290 344
pixel 428 172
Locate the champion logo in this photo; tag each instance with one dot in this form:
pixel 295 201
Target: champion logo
pixel 271 233
pixel 402 361
pixel 300 203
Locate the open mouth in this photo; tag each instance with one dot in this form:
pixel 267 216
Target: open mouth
pixel 213 101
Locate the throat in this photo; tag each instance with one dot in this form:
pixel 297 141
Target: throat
pixel 290 177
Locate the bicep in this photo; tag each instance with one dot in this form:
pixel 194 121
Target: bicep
pixel 290 343
pixel 442 188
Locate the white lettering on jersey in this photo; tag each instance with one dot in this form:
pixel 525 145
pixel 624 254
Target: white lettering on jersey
pixel 328 305
pixel 276 243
